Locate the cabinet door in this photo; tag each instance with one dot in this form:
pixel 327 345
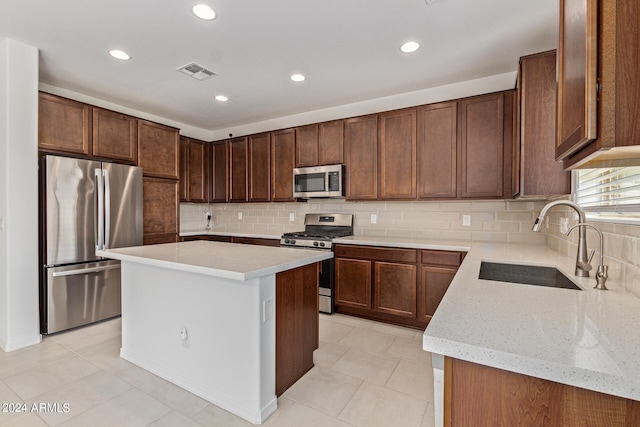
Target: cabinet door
pixel 434 282
pixel 282 163
pixel 482 145
pixel 540 174
pixel 63 125
pixel 198 171
pixel 184 170
pixel 238 170
pixel 259 161
pixel 438 150
pixel 577 75
pixel 307 146
pixel 397 160
pixel 219 175
pixel 115 135
pixel 160 208
pixel 158 150
pixel 395 289
pixel 361 157
pixel 353 283
pixel 330 143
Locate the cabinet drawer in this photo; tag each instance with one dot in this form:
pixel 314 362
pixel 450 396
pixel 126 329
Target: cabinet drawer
pixel 448 258
pixel 377 253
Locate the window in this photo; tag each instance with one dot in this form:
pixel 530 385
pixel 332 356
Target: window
pixel 609 192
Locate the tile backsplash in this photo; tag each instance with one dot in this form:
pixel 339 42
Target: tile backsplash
pixel 507 221
pixel 621 246
pixel 490 221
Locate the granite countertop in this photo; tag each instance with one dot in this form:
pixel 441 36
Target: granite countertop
pixel 219 259
pixel 585 338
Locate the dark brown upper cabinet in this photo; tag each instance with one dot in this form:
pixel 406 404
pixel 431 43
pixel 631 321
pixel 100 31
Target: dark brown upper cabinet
pixel 482 143
pixel 361 157
pixel 397 161
pixel 538 174
pixel 64 125
pixel 238 170
pixel 283 153
pixel 219 175
pixel 115 136
pixel 197 171
pixel 158 150
pixel 618 98
pixel 184 170
pixel 259 167
pixel 577 76
pixel 438 150
pixel 320 144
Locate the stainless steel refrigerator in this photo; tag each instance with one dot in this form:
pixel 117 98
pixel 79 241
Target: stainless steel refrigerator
pixel 84 205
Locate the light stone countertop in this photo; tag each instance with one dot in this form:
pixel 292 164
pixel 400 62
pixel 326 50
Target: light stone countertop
pixel 219 259
pixel 587 338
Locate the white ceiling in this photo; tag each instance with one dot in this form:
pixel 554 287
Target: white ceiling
pixel 348 49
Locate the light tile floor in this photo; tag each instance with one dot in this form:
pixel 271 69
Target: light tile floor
pixel 366 374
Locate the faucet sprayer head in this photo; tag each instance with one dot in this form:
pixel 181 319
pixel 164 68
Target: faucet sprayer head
pixel 538 223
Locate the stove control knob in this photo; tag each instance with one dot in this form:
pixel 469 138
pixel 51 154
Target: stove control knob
pixel 322 244
pixel 286 241
pixel 315 243
pixel 292 241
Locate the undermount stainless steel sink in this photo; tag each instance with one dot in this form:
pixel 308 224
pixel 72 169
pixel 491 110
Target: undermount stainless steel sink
pixel 526 274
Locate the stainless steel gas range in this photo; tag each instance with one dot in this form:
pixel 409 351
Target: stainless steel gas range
pixel 319 232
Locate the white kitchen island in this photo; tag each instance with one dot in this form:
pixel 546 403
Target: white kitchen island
pixel 202 315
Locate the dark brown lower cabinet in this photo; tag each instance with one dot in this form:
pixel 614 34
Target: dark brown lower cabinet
pixel 233 239
pixel 395 285
pixel 434 282
pixel 354 279
pixel 296 324
pixel 478 395
pixel 160 207
pixel 395 289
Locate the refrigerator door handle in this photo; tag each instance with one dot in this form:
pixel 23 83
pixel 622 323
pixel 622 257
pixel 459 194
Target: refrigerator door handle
pixel 100 193
pixel 84 270
pixel 107 210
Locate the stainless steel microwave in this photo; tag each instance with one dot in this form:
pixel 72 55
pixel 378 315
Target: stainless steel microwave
pixel 318 181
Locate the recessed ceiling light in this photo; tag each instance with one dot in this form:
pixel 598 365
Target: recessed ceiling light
pixel 409 47
pixel 120 54
pixel 297 77
pixel 221 98
pixel 203 11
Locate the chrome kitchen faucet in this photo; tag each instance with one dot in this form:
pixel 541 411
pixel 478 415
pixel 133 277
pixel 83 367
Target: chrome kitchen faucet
pixel 583 261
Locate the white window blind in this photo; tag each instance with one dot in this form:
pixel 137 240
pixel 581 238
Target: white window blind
pixel 609 190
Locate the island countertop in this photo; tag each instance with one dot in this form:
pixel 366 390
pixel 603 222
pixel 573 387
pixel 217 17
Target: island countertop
pixel 219 259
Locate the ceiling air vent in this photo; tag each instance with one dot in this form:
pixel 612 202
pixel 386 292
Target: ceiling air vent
pixel 196 71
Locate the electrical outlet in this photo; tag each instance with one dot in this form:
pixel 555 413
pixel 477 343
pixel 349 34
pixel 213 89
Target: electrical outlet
pixel 374 219
pixel 239 215
pixel 466 220
pixel 292 216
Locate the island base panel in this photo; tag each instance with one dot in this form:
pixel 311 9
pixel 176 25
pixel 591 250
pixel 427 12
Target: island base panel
pixel 296 324
pixel 228 356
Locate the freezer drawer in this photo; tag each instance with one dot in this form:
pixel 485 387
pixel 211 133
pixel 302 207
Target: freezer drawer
pixel 81 294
